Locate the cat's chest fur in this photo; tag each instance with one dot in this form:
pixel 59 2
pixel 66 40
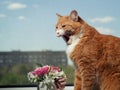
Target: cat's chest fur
pixel 74 41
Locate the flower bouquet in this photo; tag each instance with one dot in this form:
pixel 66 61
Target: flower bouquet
pixel 46 76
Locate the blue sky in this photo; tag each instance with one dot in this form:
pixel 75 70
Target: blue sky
pixel 29 25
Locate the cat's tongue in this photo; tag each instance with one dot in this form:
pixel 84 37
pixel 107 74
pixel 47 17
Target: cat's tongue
pixel 69 42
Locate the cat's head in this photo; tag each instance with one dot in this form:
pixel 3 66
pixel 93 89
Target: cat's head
pixel 68 25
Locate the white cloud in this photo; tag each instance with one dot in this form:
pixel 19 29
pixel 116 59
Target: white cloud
pixel 16 6
pixel 104 30
pixel 21 18
pixel 102 20
pixel 2 15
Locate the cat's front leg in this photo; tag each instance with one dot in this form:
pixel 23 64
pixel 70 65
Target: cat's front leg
pixel 77 83
pixel 88 78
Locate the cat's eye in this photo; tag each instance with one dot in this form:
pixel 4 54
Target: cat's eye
pixel 63 26
pixel 56 27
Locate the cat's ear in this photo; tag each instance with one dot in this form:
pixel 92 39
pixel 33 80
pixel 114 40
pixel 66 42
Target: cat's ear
pixel 58 15
pixel 74 15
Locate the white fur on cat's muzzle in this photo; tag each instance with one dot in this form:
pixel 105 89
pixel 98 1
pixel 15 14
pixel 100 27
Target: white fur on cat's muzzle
pixel 60 33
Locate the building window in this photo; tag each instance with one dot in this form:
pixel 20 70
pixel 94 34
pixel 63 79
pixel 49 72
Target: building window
pixel 1 61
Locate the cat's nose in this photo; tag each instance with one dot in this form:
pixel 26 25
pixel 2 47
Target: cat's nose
pixel 57 33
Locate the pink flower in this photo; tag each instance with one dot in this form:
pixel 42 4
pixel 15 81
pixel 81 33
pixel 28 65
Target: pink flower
pixel 40 71
pixel 54 69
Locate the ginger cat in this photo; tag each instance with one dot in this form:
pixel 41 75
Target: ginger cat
pixel 96 56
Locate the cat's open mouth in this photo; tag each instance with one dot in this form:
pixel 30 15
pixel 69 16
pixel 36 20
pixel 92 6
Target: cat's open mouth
pixel 67 36
pixel 67 39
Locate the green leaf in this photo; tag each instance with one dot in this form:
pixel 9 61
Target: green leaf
pixel 39 65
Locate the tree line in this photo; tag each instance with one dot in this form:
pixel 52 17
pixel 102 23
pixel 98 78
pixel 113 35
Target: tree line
pixel 17 74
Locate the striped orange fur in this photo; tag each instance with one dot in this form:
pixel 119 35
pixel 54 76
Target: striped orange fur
pixel 96 56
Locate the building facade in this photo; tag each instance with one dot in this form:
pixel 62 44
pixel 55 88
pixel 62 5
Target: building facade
pixel 33 57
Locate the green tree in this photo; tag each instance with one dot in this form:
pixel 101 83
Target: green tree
pixel 9 79
pixel 69 71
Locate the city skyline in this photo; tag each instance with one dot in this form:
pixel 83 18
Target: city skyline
pixel 29 25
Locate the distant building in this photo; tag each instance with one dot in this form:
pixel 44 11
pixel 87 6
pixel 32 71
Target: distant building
pixel 32 57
